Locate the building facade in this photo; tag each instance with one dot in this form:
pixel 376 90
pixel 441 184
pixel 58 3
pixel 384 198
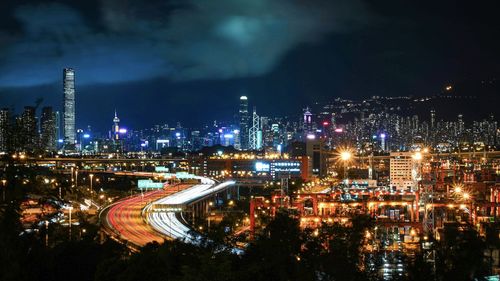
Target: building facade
pixel 402 170
pixel 48 132
pixel 244 123
pixel 5 133
pixel 69 106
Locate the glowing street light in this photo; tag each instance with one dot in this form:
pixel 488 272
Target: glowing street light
pixel 4 182
pixel 345 155
pixel 466 196
pixel 417 156
pixel 91 190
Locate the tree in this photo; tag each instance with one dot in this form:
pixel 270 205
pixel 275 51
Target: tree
pixel 460 254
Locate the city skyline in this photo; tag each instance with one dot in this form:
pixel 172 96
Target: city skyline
pixel 249 140
pixel 463 96
pixel 377 124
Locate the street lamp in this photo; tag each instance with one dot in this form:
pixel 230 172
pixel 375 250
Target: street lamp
pixel 209 211
pixel 91 190
pixel 4 182
pixel 69 224
pixel 417 156
pixel 345 156
pixel 466 196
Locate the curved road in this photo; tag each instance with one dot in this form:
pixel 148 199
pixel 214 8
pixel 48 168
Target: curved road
pixel 167 222
pixel 124 220
pixel 146 218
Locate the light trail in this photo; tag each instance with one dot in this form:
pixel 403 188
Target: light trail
pixel 145 218
pixel 124 219
pixel 166 222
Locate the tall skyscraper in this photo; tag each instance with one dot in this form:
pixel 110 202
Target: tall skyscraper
pixel 244 123
pixel 69 106
pixel 255 132
pixel 57 116
pixel 5 130
pixel 308 126
pixel 48 129
pixel 115 131
pixel 27 136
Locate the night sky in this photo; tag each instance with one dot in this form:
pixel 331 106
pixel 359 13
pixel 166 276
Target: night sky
pixel 189 61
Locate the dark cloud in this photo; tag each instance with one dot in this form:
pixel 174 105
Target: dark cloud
pixel 56 36
pixel 188 40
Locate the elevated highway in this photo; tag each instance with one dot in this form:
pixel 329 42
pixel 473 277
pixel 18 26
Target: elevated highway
pixel 157 215
pixel 165 215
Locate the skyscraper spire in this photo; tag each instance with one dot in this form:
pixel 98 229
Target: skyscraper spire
pixel 116 127
pixel 116 119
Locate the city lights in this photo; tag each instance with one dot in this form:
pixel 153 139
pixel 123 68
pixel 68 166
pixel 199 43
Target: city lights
pixel 287 140
pixel 417 156
pixel 345 155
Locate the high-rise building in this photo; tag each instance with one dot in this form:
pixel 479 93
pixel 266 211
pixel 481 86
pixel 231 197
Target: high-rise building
pixel 57 116
pixel 115 131
pixel 244 123
pixel 5 136
pixel 69 106
pixel 27 136
pixel 255 132
pixel 307 125
pixel 460 126
pixel 403 170
pixel 317 154
pixel 48 137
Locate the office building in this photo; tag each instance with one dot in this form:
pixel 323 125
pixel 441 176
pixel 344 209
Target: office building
pixel 69 107
pixel 48 132
pixel 115 130
pixel 5 136
pixel 27 134
pixel 402 169
pixel 244 123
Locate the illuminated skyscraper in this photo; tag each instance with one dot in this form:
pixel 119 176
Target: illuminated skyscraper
pixel 48 129
pixel 116 128
pixel 57 116
pixel 308 126
pixel 69 106
pixel 5 130
pixel 255 132
pixel 27 137
pixel 244 123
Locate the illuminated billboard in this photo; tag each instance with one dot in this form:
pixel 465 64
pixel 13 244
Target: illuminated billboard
pixel 146 184
pixel 262 167
pixel 161 169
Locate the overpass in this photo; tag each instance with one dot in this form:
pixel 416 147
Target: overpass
pixel 462 154
pixel 166 215
pixel 157 215
pixel 99 160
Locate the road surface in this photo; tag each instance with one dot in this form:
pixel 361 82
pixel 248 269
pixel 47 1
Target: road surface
pixel 168 222
pixel 124 221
